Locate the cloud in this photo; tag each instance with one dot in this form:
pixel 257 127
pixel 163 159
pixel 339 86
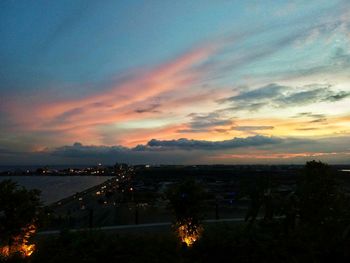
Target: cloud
pixel 309 115
pixel 313 118
pixel 235 58
pixel 186 144
pixel 206 122
pixel 79 150
pixel 318 120
pixel 155 151
pixel 127 99
pixel 266 92
pixel 253 128
pixel 187 151
pixel 300 157
pixel 307 129
pixel 318 93
pixel 10 152
pixel 154 145
pixel 151 108
pixel 237 150
pixel 277 96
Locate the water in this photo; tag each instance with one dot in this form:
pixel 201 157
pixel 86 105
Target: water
pixel 54 188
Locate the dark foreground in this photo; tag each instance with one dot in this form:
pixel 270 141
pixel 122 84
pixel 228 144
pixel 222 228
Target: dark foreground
pixel 306 219
pixel 223 242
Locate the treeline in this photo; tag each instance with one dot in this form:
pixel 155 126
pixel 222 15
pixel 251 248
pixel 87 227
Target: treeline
pixel 309 224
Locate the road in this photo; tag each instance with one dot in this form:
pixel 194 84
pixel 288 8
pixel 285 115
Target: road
pixel 154 227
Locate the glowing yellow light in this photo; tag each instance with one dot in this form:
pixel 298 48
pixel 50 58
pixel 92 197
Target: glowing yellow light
pixel 189 233
pixel 20 244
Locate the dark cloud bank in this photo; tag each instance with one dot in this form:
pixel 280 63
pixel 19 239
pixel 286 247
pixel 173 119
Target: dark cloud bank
pixel 186 151
pixel 154 145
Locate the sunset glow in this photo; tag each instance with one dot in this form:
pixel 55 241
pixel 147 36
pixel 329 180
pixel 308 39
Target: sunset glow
pixel 173 86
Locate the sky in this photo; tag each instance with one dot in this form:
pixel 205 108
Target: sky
pixel 174 82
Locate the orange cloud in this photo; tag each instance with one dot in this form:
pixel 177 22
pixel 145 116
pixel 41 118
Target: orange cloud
pixel 82 118
pixel 275 155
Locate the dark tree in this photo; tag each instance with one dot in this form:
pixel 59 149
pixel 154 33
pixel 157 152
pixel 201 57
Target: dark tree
pixel 19 209
pixel 186 200
pixel 186 203
pixel 262 198
pixel 320 200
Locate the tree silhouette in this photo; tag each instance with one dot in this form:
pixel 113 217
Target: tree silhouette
pixel 18 213
pixel 260 193
pixel 186 203
pixel 318 195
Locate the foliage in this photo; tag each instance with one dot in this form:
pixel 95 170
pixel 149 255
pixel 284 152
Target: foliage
pixel 186 201
pixel 101 247
pixel 314 219
pixel 313 226
pixel 221 242
pixel 19 208
pixel 320 199
pixel 260 192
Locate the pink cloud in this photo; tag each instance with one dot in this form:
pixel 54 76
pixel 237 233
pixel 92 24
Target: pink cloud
pixel 268 155
pixel 81 118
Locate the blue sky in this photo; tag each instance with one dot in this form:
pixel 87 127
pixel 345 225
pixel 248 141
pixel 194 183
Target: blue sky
pixel 121 74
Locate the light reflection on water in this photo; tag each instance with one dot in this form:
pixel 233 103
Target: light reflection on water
pixel 54 188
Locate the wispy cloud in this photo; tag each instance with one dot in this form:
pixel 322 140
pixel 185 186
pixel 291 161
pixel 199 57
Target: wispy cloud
pixel 151 108
pixel 244 82
pixel 206 122
pixel 124 101
pixel 277 96
pixel 253 128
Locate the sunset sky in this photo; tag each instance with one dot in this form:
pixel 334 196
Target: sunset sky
pixel 174 82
